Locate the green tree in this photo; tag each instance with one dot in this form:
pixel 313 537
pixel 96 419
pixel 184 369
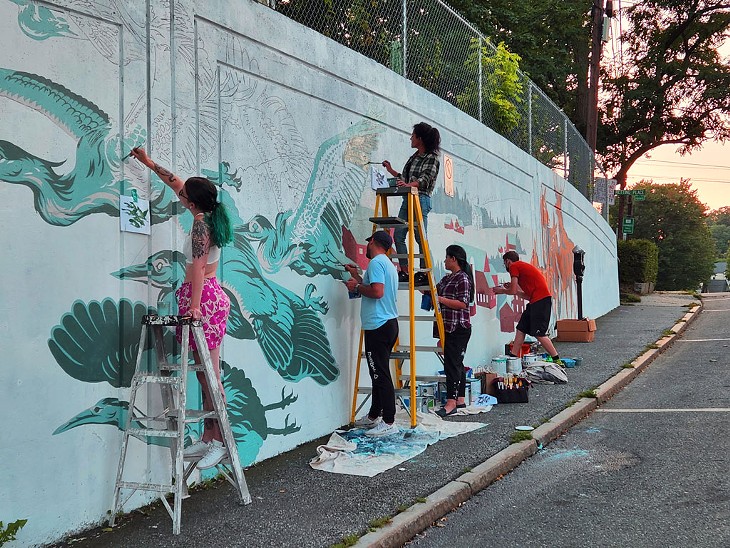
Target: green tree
pixel 721 235
pixel 719 221
pixel 553 39
pixel 674 219
pixel 502 91
pixel 671 87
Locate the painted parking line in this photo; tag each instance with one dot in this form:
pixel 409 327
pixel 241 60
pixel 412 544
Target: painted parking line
pixel 702 340
pixel 690 410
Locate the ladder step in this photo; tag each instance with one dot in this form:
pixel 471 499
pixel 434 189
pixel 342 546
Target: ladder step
pixel 193 415
pixel 388 222
pixel 178 367
pixel 407 318
pixel 153 378
pixel 419 348
pixel 159 487
pixel 404 285
pixel 162 433
pixel 396 191
pixel 406 256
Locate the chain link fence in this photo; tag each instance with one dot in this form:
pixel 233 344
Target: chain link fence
pixel 429 43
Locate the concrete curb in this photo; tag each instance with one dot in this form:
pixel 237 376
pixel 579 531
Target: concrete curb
pixel 404 526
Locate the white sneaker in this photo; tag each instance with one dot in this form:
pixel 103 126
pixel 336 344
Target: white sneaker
pixel 382 429
pixel 215 454
pixel 367 422
pixel 197 449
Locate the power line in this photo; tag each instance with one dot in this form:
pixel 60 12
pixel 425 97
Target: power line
pixel 707 166
pixel 674 177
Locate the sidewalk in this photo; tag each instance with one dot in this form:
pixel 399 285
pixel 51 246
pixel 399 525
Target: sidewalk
pixel 294 505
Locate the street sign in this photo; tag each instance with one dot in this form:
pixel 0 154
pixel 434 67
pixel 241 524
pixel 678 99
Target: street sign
pixel 639 194
pixel 628 225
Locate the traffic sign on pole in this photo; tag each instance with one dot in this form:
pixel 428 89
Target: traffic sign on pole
pixel 628 225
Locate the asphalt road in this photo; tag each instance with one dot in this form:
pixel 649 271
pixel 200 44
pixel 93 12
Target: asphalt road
pixel 649 468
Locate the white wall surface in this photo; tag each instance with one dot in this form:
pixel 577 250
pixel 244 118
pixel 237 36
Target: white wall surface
pixel 287 119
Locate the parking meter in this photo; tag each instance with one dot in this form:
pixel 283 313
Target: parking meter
pixel 578 269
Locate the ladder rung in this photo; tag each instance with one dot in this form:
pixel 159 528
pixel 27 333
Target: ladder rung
pixel 152 432
pixel 159 487
pixel 424 378
pixel 159 379
pixel 407 348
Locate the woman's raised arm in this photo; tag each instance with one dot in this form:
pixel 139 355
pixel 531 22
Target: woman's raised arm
pixel 167 176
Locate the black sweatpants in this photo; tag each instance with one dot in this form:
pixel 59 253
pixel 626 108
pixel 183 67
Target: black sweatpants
pixel 378 346
pixel 454 350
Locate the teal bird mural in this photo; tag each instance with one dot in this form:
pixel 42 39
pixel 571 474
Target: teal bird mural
pixel 98 341
pixel 309 240
pixel 93 185
pixel 246 413
pixel 38 22
pixel 287 327
pixel 110 411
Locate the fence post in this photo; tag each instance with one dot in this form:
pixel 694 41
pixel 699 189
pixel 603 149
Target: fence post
pixel 529 116
pixel 405 39
pixel 481 119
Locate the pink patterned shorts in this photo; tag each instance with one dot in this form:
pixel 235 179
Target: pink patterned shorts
pixel 214 306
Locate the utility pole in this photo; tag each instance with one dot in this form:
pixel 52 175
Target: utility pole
pixel 594 71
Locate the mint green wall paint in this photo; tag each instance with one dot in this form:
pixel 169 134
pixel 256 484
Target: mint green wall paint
pixel 284 121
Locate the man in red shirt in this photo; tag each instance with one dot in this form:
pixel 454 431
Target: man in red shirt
pixel 529 283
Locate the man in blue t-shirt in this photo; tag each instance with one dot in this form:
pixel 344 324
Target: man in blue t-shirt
pixel 379 315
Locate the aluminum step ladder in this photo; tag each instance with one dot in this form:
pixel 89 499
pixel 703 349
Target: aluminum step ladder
pixel 403 353
pixel 170 423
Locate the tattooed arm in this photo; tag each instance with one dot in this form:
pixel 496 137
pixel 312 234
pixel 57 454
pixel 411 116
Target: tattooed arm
pixel 165 175
pixel 200 238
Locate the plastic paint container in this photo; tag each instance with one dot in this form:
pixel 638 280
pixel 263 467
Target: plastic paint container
pixel 527 359
pixel 578 361
pixel 514 365
pixel 499 365
pixel 568 362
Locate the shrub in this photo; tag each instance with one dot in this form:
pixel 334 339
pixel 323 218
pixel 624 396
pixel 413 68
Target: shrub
pixel 638 261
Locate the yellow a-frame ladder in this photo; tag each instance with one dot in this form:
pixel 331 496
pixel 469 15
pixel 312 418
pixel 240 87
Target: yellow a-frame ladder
pixel 404 352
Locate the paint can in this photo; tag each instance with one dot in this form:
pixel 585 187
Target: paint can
pixel 514 365
pixel 528 359
pixel 426 394
pixel 499 365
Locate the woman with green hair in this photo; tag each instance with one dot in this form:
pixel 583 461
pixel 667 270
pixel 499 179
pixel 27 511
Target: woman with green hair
pixel 201 296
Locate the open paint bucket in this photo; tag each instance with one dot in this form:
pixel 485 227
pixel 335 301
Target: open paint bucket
pixel 499 365
pixel 514 365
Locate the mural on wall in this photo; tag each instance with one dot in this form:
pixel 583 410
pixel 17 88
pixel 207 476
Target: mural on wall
pixel 96 342
pixel 309 240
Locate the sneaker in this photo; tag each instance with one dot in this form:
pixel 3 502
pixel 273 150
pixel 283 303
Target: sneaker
pixel 198 449
pixel 382 429
pixel 215 454
pixel 558 362
pixel 366 422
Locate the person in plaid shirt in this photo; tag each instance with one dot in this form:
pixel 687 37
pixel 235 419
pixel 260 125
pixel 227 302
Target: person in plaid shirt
pixel 455 292
pixel 420 172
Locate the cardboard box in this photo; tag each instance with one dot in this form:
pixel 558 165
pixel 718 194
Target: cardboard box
pixel 576 330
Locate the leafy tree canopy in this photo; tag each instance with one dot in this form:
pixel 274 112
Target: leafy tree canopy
pixel 552 37
pixel 674 219
pixel 673 85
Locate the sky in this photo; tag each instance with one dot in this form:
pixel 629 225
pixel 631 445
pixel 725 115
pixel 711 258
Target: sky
pixel 707 169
